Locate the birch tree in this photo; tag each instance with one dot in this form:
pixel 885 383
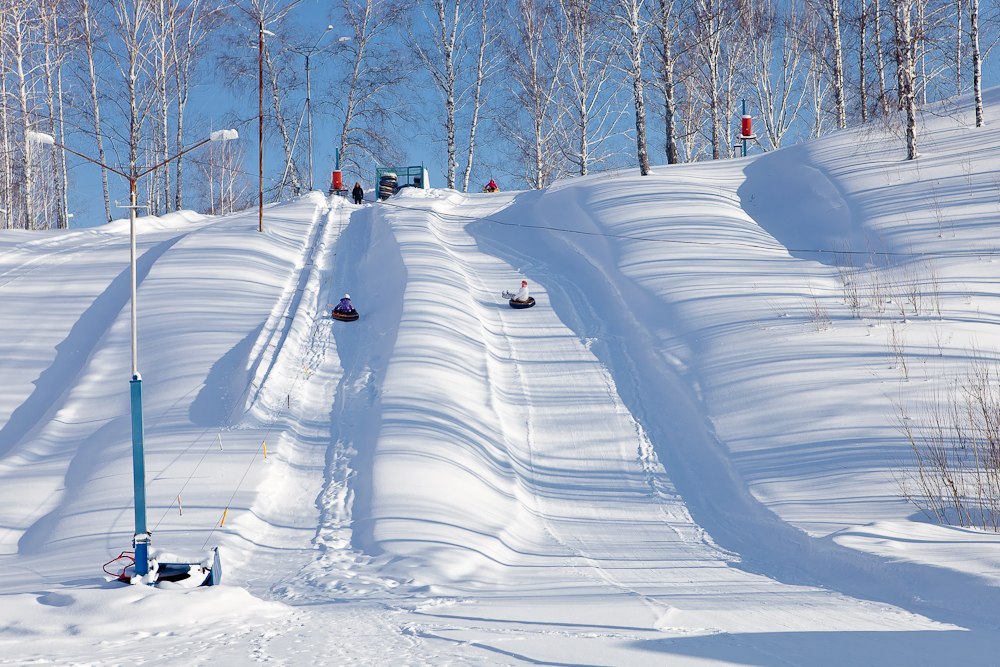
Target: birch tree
pixel 447 25
pixel 276 84
pixel 904 52
pixel 589 92
pixel 669 49
pixel 365 90
pixel 6 120
pixel 54 49
pixel 533 52
pixel 863 23
pixel 777 67
pixel 22 34
pixel 977 65
pixel 193 24
pixel 88 37
pixel 708 30
pixel 631 19
pixel 486 65
pixel 162 26
pixel 832 8
pixel 132 19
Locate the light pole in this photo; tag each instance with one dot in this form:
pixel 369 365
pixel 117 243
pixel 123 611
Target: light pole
pixel 307 52
pixel 142 536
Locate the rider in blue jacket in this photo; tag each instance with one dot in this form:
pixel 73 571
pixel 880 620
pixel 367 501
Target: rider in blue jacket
pixel 345 305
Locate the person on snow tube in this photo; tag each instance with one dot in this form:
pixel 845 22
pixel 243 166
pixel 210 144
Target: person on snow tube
pixel 522 294
pixel 492 186
pixel 345 306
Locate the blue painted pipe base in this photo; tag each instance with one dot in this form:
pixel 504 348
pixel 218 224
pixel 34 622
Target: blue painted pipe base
pixel 141 538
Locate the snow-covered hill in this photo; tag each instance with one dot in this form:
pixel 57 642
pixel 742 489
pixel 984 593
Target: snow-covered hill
pixel 688 452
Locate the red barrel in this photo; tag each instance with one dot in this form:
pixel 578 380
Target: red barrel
pixel 338 181
pixel 746 126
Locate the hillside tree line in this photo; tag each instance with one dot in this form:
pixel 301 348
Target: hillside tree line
pixel 531 90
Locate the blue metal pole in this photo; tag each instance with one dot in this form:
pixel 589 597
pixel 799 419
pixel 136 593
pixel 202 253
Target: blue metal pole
pixel 139 480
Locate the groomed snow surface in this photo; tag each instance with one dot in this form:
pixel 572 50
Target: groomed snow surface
pixel 686 453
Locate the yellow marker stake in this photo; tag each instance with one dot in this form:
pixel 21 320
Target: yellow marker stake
pixel 224 513
pixel 265 449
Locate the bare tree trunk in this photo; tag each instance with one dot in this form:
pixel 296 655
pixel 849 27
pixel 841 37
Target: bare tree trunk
pixel 370 78
pixel 862 61
pixel 162 29
pixel 883 93
pixel 19 37
pixel 361 21
pixel 88 40
pixel 449 19
pixel 442 64
pixel 959 13
pixel 133 25
pixel 55 200
pixel 279 120
pixel 838 64
pixel 486 38
pixel 906 71
pixel 49 66
pixel 977 64
pixel 669 30
pixel 63 188
pixel 6 148
pixel 709 27
pixel 534 52
pixel 191 28
pixel 629 16
pixel 777 69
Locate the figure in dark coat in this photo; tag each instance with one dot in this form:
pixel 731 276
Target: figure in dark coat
pixel 358 193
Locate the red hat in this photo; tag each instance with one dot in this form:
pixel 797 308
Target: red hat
pixel 523 283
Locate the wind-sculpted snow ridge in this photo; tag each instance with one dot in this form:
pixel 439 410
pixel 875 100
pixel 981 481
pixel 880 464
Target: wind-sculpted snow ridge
pixel 685 453
pixel 513 461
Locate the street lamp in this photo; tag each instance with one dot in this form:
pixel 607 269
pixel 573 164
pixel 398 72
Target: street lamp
pixel 142 535
pixel 307 52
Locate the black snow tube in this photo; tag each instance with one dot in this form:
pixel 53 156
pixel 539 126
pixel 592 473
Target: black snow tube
pixel 345 317
pixel 523 304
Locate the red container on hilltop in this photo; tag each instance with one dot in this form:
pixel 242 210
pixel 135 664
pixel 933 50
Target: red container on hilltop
pixel 746 126
pixel 338 181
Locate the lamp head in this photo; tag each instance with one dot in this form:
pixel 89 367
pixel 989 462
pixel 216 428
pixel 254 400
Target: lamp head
pixel 224 135
pixel 40 138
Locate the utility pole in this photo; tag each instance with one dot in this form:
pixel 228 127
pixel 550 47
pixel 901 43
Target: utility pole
pixel 257 13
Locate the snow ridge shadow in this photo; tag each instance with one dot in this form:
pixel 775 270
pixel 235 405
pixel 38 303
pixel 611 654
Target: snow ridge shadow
pixel 74 351
pixel 666 401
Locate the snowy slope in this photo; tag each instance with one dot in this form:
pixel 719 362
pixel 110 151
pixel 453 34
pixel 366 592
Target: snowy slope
pixel 685 453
